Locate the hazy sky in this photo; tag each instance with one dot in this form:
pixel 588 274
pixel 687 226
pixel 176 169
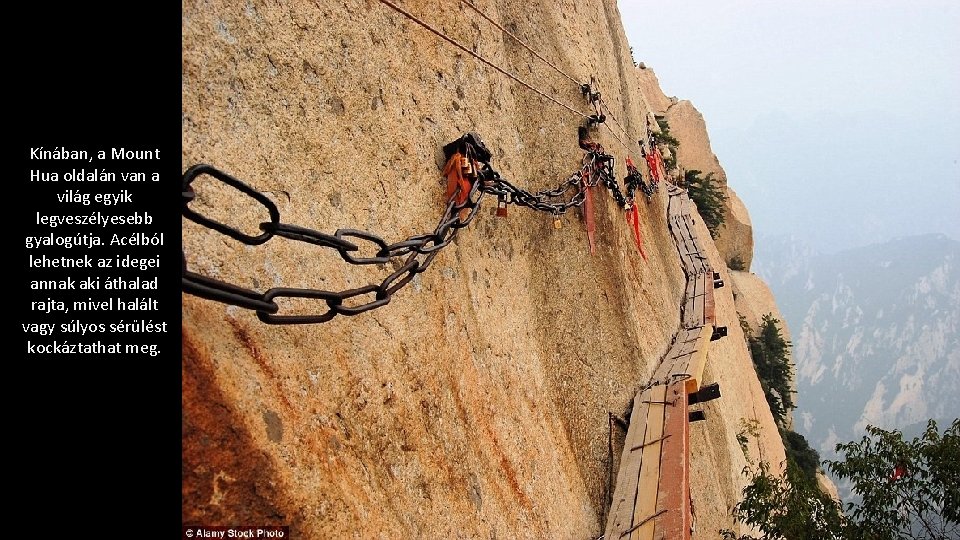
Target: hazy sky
pixel 837 122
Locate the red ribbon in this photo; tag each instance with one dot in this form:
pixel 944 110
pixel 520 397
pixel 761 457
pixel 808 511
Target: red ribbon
pixel 652 165
pixel 455 178
pixel 661 167
pixel 633 218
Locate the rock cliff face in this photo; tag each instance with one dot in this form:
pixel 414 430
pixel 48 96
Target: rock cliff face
pixel 474 404
pixel 754 299
pixel 735 238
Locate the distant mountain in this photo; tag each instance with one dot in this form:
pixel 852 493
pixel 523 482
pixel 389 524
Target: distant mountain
pixel 876 333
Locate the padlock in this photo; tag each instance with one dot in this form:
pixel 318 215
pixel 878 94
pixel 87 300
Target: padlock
pixel 466 165
pixel 502 206
pixel 556 221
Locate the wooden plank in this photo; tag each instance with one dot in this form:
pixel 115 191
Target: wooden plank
pixel 691 242
pixel 646 504
pixel 696 256
pixel 700 299
pixel 688 244
pixel 692 336
pixel 687 340
pixel 623 499
pixel 689 262
pixel 690 288
pixel 699 360
pixel 695 317
pixel 690 252
pixel 683 367
pixel 673 499
pixel 620 517
pixel 689 309
pixel 710 306
pixel 677 357
pixel 668 367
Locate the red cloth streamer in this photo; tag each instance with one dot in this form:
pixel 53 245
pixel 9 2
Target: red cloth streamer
pixel 588 214
pixel 633 218
pixel 661 167
pixel 455 178
pixel 652 165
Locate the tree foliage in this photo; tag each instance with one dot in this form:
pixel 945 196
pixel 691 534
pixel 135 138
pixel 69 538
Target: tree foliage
pixel 745 327
pixel 905 489
pixel 799 451
pixel 788 507
pixel 709 197
pixel 665 136
pixel 737 263
pixel 771 357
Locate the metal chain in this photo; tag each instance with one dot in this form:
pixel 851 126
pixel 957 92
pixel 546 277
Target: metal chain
pixel 543 200
pixel 634 180
pixel 419 250
pixel 596 168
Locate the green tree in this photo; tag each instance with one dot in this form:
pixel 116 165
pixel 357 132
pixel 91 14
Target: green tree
pixel 800 452
pixel 771 357
pixel 667 139
pixel 736 263
pixel 788 507
pixel 745 326
pixel 665 136
pixel 904 489
pixel 709 197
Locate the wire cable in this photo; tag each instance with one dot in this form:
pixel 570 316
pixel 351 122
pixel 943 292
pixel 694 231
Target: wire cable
pixel 614 133
pixel 572 79
pixel 612 117
pixel 463 48
pixel 503 71
pixel 520 41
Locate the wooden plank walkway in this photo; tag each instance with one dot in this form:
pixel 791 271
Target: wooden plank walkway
pixel 623 505
pixel 686 358
pixel 652 495
pixel 674 491
pixel 709 304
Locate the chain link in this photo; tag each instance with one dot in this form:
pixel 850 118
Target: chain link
pixel 634 181
pixel 418 251
pixel 596 168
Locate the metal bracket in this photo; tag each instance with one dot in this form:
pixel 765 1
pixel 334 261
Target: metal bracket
pixel 718 332
pixel 706 393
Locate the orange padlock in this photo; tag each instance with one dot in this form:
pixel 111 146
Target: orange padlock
pixel 502 206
